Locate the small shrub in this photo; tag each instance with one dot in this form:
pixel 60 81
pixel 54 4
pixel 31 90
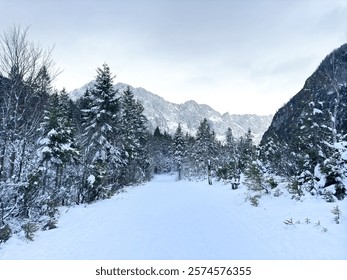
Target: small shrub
pixel 307 221
pixel 340 191
pixel 329 197
pixel 29 230
pixel 277 193
pixel 295 189
pixel 324 229
pixel 337 212
pixel 273 184
pixel 254 200
pixel 5 233
pixel 289 222
pixel 51 224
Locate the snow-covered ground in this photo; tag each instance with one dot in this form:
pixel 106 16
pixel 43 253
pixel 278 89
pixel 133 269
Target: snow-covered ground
pixel 166 219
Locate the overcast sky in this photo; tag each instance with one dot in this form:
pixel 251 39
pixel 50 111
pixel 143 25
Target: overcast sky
pixel 238 56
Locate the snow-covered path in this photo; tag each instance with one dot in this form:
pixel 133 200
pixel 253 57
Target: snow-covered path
pixel 165 219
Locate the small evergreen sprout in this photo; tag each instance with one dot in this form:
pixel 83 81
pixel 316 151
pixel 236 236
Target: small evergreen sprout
pixel 307 221
pixel 324 229
pixel 317 224
pixel 254 200
pixel 5 233
pixel 329 197
pixel 337 212
pixel 289 222
pixel 29 230
pixel 277 193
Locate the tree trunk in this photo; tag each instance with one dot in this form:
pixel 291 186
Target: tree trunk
pixel 209 172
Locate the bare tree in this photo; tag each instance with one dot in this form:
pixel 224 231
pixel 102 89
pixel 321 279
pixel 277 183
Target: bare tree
pixel 21 59
pixel 26 72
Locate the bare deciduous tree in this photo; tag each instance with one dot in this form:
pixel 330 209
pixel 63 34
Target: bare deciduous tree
pixel 26 72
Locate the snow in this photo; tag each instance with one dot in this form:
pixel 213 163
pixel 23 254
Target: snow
pixel 52 132
pixel 317 111
pixel 169 219
pixel 91 179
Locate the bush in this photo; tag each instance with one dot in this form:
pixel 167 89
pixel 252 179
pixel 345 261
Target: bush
pixel 29 230
pixel 272 183
pixel 329 197
pixel 51 224
pixel 289 222
pixel 277 193
pixel 254 200
pixel 337 212
pixel 294 188
pixel 340 191
pixel 5 233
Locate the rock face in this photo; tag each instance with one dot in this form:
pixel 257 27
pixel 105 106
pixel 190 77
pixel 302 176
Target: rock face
pixel 167 115
pixel 307 126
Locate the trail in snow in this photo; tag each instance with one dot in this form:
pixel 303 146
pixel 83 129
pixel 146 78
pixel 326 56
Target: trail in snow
pixel 165 219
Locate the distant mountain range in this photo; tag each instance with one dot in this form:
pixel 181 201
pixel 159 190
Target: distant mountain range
pixel 167 115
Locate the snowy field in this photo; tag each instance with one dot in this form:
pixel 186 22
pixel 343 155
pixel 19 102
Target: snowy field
pixel 171 220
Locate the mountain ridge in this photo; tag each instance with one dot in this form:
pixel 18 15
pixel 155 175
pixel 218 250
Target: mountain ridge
pixel 307 138
pixel 166 115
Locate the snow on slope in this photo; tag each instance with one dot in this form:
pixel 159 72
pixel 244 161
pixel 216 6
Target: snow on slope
pixel 165 219
pixel 167 115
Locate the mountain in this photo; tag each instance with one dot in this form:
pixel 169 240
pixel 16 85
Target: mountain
pixel 308 134
pixel 166 115
pixel 316 102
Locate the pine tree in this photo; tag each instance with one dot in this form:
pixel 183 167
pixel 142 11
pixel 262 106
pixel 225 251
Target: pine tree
pixel 57 149
pixel 160 152
pixel 102 151
pixel 179 150
pixel 134 138
pixel 247 150
pixel 229 169
pixel 204 149
pixel 335 170
pixel 254 175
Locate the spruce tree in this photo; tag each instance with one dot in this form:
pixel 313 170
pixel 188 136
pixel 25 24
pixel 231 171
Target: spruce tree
pixel 204 148
pixel 102 150
pixel 134 139
pixel 229 169
pixel 247 150
pixel 160 151
pixel 57 149
pixel 179 150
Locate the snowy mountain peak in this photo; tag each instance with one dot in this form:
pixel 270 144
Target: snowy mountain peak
pixel 167 115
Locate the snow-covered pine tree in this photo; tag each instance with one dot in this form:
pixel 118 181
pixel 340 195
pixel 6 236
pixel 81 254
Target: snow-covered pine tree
pixel 159 150
pixel 134 136
pixel 179 150
pixel 204 149
pixel 247 150
pixel 229 169
pixel 57 152
pixel 334 169
pixel 101 144
pixel 254 176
